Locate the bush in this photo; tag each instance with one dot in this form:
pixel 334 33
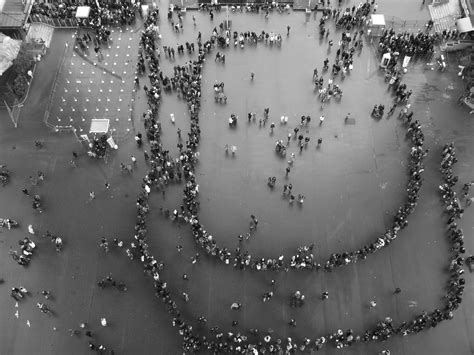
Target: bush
pixel 23 62
pixel 8 96
pixel 20 85
pixel 16 83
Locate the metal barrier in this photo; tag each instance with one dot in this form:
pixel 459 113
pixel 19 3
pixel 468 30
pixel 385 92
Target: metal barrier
pixel 54 22
pixel 15 109
pixel 399 24
pixel 245 2
pixel 53 91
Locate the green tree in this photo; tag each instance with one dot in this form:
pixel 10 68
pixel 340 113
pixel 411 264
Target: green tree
pixel 20 85
pixel 23 62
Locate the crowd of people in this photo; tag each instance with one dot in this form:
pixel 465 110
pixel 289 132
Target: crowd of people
pixel 27 247
pixel 108 14
pixel 419 45
pixel 356 17
pixel 98 146
pixel 159 175
pixel 164 170
pixel 109 281
pixel 304 259
pixel 4 175
pixel 266 7
pixel 62 11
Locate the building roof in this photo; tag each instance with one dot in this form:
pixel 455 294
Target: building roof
pixel 12 14
pixel 464 25
pixel 9 49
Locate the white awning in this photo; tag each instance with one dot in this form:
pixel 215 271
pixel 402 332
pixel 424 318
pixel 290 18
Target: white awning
pixel 145 10
pixel 377 20
pixel 99 125
pixel 464 25
pixel 83 11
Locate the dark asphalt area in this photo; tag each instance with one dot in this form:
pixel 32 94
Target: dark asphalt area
pixel 353 185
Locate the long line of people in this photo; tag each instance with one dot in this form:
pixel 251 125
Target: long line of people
pixel 165 170
pixel 305 259
pixel 238 342
pixel 455 284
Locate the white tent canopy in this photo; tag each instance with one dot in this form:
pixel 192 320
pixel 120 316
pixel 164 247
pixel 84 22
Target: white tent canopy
pixel 83 11
pixel 99 125
pixel 145 11
pixel 464 25
pixel 377 20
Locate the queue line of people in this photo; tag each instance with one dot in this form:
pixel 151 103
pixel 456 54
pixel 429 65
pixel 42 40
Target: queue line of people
pixel 221 341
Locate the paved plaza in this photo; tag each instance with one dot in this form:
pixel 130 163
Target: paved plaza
pixel 353 182
pixel 97 86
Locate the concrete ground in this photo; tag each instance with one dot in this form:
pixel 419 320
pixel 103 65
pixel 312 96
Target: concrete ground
pixel 91 86
pixel 353 185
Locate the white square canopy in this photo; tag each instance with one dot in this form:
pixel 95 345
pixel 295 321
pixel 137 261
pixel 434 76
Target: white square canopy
pixel 464 25
pixel 145 10
pixel 83 11
pixel 99 125
pixel 377 20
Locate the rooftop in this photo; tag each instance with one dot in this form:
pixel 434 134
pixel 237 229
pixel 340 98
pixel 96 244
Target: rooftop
pixel 12 13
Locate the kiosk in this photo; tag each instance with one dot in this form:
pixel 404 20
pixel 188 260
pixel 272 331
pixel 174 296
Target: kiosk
pixel 376 25
pixel 83 12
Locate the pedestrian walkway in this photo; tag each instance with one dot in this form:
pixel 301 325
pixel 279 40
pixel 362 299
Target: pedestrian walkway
pixel 445 15
pixel 40 31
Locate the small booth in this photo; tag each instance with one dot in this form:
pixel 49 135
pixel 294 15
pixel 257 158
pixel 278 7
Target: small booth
pixel 83 12
pixel 145 11
pixel 464 25
pixel 99 125
pixel 376 25
pixel 385 60
pixel 101 139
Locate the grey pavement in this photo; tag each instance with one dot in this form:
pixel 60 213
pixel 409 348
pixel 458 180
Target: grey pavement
pixel 353 185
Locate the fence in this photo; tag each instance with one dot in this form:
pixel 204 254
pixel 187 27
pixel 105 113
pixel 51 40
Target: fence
pixel 245 2
pixel 401 25
pixel 14 112
pixel 53 91
pixel 54 22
